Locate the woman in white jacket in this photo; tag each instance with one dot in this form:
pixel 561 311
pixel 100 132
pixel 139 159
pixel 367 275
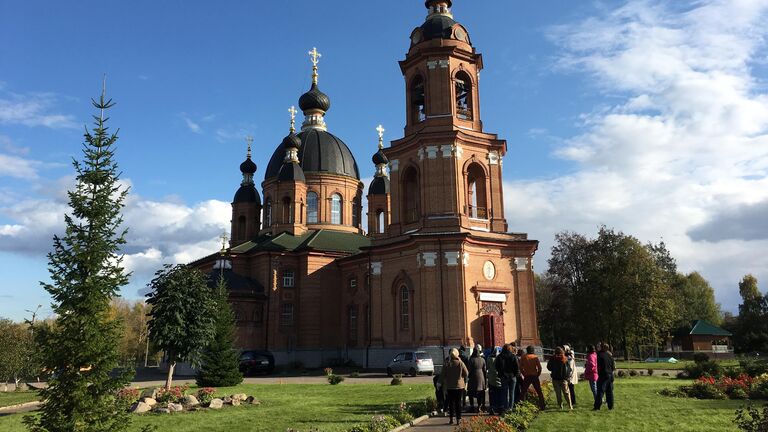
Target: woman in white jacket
pixel 574 378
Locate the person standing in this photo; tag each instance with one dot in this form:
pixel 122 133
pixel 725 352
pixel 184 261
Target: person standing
pixel 573 379
pixel 453 377
pixel 530 368
pixel 508 369
pixel 590 369
pixel 494 383
pixel 464 357
pixel 558 366
pixel 605 367
pixel 519 387
pixel 478 376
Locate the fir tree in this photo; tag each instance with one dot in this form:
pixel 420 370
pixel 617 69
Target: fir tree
pixel 220 360
pixel 183 314
pixel 86 272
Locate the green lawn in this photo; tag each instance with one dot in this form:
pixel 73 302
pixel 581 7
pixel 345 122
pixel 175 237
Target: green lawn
pixel 666 366
pixel 335 408
pixel 329 408
pixel 639 408
pixel 13 398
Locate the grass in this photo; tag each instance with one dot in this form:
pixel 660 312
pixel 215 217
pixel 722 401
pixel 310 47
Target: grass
pixel 639 407
pixel 13 398
pixel 298 406
pixel 666 366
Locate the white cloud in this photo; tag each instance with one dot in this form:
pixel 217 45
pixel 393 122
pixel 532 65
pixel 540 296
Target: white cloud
pixel 688 141
pixel 191 125
pixel 18 167
pixel 7 144
pixel 158 231
pixel 33 109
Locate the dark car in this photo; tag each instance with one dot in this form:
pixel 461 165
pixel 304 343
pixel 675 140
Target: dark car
pixel 254 362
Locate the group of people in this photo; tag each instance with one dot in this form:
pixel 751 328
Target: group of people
pixel 507 374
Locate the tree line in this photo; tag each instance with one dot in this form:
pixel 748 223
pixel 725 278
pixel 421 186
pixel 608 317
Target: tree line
pixel 616 289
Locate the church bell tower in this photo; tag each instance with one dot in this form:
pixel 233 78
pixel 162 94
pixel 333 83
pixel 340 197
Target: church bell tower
pixel 446 171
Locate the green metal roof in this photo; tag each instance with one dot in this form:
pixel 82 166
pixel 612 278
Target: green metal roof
pixel 703 327
pixel 320 240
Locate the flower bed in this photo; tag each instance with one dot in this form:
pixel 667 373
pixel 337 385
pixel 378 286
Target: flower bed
pixel 740 387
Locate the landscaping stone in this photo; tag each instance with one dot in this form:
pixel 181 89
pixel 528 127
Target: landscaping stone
pixel 235 402
pixel 191 400
pixel 175 407
pixel 149 393
pixel 240 396
pixel 227 400
pixel 162 410
pixel 149 401
pixel 250 400
pixel 140 408
pixel 216 404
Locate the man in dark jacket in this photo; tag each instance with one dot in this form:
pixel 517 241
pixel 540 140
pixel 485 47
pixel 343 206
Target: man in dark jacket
pixel 508 370
pixel 605 368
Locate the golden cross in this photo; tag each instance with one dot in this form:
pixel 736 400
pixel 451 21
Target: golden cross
pixel 224 240
pixel 315 56
pixel 293 112
pixel 380 129
pixel 249 140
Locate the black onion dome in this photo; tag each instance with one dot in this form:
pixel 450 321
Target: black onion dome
pixel 314 99
pixel 379 186
pixel 428 3
pixel 380 158
pixel 438 27
pixel 248 167
pixel 291 172
pixel 291 141
pixel 247 194
pixel 321 152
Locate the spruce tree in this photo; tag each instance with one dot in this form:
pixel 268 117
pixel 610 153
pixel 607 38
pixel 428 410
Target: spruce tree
pixel 86 272
pixel 220 361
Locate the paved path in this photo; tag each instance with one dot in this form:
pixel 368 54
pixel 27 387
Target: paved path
pixel 436 424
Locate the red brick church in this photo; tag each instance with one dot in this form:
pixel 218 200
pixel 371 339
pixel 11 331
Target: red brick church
pixel 433 267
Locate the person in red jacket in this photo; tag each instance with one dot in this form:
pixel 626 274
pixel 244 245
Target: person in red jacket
pixel 590 369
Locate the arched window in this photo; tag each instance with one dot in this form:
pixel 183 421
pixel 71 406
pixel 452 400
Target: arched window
pixel 241 227
pixel 268 212
pixel 477 204
pixel 380 221
pixel 287 216
pixel 404 308
pixel 463 96
pixel 418 100
pixel 336 209
pixel 411 195
pixel 311 207
pixel 356 212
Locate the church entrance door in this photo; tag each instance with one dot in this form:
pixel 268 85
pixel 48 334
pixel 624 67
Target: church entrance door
pixel 492 324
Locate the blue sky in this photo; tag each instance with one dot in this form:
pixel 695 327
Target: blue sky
pixel 638 115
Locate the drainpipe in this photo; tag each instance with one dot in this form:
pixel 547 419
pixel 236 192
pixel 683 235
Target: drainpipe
pixel 369 285
pixel 269 296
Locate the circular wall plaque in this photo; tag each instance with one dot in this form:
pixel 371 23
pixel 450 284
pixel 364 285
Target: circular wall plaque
pixel 489 270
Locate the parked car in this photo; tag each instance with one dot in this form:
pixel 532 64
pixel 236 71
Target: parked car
pixel 254 362
pixel 412 363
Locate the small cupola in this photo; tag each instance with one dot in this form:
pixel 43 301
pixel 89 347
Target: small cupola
pixel 291 170
pixel 247 192
pixel 380 184
pixel 314 103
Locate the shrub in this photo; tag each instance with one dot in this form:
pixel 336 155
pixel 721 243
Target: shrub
pixel 665 374
pixel 430 403
pixel 335 379
pixel 738 393
pixel 682 375
pixel 484 424
pixel 382 423
pixel 174 394
pixel 632 373
pixel 759 387
pixel 700 357
pixel 328 371
pixel 521 418
pixel 397 379
pixel 705 368
pixel 357 428
pixel 421 408
pixel 402 416
pixel 127 396
pixel 650 372
pixel 354 374
pixel 750 419
pixel 705 388
pixel 621 374
pixel 205 395
pixel 754 367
